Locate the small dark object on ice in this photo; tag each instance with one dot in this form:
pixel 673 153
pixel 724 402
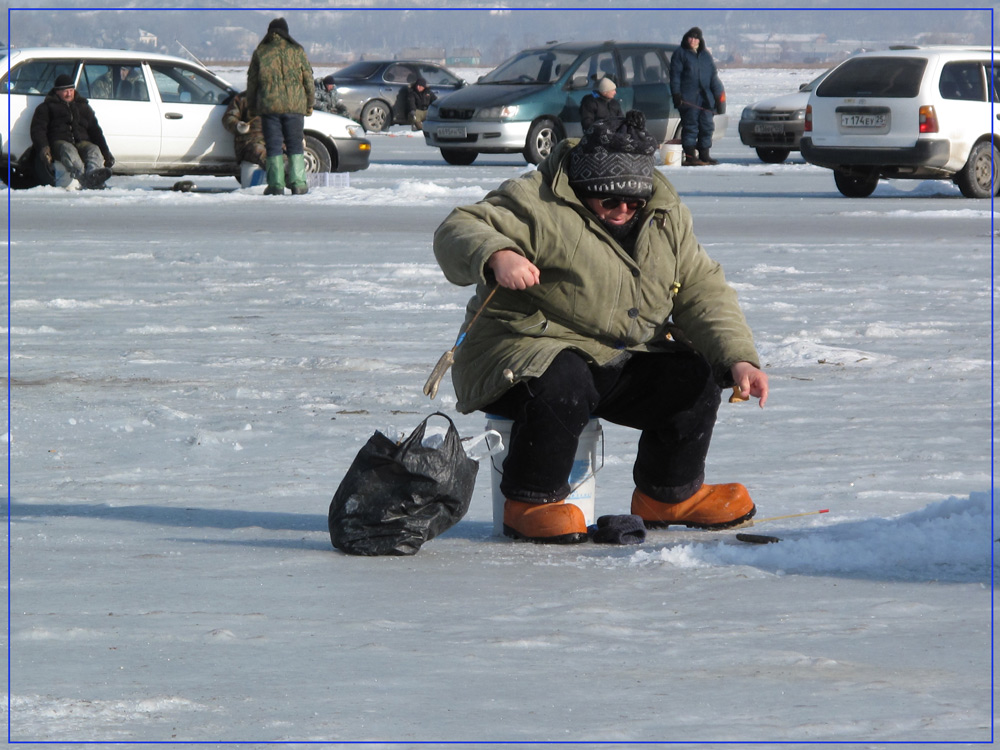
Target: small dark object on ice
pixel 184 186
pixel 626 529
pixel 757 538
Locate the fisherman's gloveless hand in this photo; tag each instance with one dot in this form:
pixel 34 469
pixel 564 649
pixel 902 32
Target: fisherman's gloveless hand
pixel 750 380
pixel 513 270
pixel 47 154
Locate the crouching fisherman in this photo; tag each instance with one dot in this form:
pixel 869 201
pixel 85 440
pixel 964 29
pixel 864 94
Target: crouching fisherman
pixel 597 264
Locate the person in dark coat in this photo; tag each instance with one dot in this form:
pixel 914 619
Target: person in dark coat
pixel 280 90
pixel 602 105
pixel 698 94
pixel 68 140
pixel 418 99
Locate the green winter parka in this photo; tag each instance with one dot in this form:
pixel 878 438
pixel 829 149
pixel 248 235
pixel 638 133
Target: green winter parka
pixel 592 297
pixel 280 78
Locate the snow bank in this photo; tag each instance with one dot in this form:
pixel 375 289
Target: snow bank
pixel 942 542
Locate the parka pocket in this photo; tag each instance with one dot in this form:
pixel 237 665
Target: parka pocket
pixel 535 324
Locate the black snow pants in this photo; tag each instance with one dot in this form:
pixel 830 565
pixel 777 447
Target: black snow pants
pixel 671 397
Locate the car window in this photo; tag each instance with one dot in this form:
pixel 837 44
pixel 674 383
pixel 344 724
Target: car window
pixel 37 76
pixel 647 67
pixel 992 71
pixel 889 77
pixel 116 80
pixel 963 80
pixel 596 67
pixel 436 76
pixel 397 73
pixel 532 66
pixel 176 83
pixel 364 69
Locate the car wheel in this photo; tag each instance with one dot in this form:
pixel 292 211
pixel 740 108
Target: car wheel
pixel 979 178
pixel 856 185
pixel 542 137
pixel 318 158
pixel 773 155
pixel 376 117
pixel 459 156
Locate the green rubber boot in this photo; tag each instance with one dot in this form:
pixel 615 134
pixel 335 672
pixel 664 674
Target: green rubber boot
pixel 297 174
pixel 275 168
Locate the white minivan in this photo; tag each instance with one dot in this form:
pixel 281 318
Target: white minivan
pixel 160 114
pixel 908 113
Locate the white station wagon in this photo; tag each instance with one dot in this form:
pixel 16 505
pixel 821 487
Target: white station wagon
pixel 161 115
pixel 908 113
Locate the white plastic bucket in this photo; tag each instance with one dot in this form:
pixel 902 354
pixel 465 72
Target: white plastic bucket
pixel 251 175
pixel 672 153
pixel 588 461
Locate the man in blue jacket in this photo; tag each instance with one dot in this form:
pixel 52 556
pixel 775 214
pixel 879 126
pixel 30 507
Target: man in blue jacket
pixel 698 95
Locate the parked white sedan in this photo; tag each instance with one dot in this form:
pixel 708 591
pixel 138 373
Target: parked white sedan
pixel 160 114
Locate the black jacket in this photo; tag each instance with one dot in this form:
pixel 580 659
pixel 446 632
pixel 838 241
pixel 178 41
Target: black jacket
pixel 418 99
pixel 596 107
pixel 55 120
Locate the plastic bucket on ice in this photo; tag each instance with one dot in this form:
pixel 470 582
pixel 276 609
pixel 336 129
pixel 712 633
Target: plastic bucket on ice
pixel 251 175
pixel 588 461
pixel 672 153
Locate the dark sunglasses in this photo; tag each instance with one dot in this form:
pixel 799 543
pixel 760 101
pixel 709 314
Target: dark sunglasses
pixel 632 204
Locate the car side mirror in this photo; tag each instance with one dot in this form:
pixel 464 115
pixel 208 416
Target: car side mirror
pixel 580 82
pixel 804 86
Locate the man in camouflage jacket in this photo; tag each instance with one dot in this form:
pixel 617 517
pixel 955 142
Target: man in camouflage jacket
pixel 280 90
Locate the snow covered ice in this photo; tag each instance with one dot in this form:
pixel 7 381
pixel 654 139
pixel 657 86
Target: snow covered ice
pixel 192 374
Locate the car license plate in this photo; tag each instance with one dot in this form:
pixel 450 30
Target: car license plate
pixel 768 128
pixel 862 121
pixel 448 132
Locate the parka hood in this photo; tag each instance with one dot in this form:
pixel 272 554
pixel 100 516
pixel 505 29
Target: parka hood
pixel 693 33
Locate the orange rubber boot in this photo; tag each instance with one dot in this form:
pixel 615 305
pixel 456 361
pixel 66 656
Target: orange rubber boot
pixel 713 506
pixel 545 523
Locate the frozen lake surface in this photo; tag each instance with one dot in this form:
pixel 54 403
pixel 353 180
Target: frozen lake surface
pixel 192 374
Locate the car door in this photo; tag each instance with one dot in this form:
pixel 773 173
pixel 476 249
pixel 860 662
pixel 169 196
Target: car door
pixel 582 82
pixel 119 95
pixel 647 73
pixel 190 106
pixel 396 79
pixel 440 81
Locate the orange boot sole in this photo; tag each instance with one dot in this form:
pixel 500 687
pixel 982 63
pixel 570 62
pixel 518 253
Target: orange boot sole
pixel 546 523
pixel 713 506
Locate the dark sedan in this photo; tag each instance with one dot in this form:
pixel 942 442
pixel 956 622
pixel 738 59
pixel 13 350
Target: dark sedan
pixel 374 91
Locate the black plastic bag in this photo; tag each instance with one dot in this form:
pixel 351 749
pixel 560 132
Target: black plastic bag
pixel 395 496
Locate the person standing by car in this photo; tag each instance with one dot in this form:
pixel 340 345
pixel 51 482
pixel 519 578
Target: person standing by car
pixel 698 94
pixel 595 262
pixel 68 141
pixel 280 90
pixel 418 100
pixel 602 105
pixel 247 130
